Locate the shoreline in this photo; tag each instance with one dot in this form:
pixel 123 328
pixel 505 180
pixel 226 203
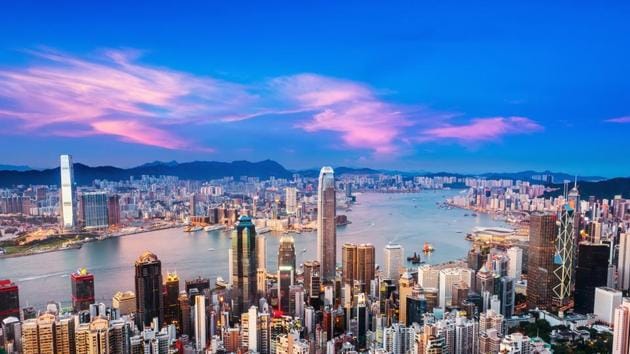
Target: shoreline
pixel 78 245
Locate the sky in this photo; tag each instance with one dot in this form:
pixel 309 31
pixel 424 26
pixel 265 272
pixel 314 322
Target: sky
pixel 417 86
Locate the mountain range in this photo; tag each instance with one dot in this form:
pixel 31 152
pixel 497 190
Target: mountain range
pixel 206 170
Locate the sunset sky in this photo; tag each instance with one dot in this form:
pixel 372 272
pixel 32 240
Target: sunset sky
pixel 437 86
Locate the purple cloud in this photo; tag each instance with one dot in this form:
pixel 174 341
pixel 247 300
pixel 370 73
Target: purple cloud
pixel 481 129
pixel 625 119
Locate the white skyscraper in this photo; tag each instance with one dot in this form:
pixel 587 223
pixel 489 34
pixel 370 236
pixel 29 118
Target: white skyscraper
pixel 252 328
pixel 68 197
pixel 606 301
pixel 200 322
pixel 515 264
pixel 291 200
pixel 621 334
pixel 326 225
pixel 623 265
pixel 393 261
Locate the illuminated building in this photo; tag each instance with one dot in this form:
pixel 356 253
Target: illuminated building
pixel 171 305
pixel 149 299
pixel 564 257
pixel 286 252
pixel 542 237
pixel 291 200
pixel 9 299
pixel 326 224
pixel 285 280
pixel 68 197
pixel 82 290
pixel 94 210
pixel 184 314
pixel 200 323
pixel 244 265
pixel 405 288
pixel 358 262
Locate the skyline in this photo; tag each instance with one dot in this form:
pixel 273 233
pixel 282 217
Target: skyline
pixel 500 87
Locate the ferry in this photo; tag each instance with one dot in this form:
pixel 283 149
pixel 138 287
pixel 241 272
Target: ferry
pixel 427 248
pixel 193 228
pixel 415 259
pixel 213 227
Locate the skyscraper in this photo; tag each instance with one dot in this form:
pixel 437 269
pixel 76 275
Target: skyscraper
pixel 68 196
pixel 82 283
pixel 244 265
pixel 149 300
pixel 542 237
pixel 171 294
pixel 326 226
pixel 94 210
pixel 9 299
pixel 113 209
pixel 564 256
pixel 623 262
pixel 621 334
pixel 515 265
pixel 291 200
pixel 286 252
pixel 358 262
pixel 312 280
pixel 393 261
pixel 261 251
pixel 591 272
pixel 200 323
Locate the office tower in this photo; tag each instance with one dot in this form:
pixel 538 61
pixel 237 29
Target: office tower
pixel 192 205
pixel 564 257
pixel 448 277
pixel 312 284
pixel 416 308
pixel 94 210
pixel 506 296
pixel 200 323
pixel 12 334
pixel 358 262
pixel 113 210
pixel 428 276
pixel 185 326
pixel 591 272
pixel 459 293
pixel 515 265
pixel 492 320
pixel 291 200
pixel 606 302
pixel 286 252
pixel 171 293
pixel 621 334
pixel 195 286
pixel 148 279
pixel 124 302
pixel 326 224
pixel 252 329
pixel 9 299
pixel 393 261
pixel 261 251
pixel 623 262
pixel 484 280
pixel 285 280
pixel 542 237
pixel 405 288
pixel 244 265
pixel 68 197
pixel 99 336
pixel 82 284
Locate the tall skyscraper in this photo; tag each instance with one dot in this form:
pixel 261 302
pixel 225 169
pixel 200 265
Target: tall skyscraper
pixel 68 194
pixel 200 323
pixel 9 299
pixel 291 200
pixel 113 209
pixel 393 261
pixel 326 224
pixel 621 334
pixel 82 283
pixel 515 264
pixel 591 272
pixel 542 237
pixel 564 256
pixel 358 262
pixel 244 265
pixel 94 210
pixel 606 302
pixel 286 252
pixel 312 280
pixel 171 294
pixel 623 262
pixel 261 251
pixel 149 299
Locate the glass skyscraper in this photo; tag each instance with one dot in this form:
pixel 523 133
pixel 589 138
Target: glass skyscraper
pixel 94 210
pixel 68 197
pixel 326 226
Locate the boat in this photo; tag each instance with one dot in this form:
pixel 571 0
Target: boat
pixel 415 259
pixel 427 248
pixel 210 228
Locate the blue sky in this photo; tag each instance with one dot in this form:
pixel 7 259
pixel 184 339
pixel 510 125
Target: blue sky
pixel 463 87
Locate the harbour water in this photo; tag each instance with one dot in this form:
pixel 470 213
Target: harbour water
pixel 407 219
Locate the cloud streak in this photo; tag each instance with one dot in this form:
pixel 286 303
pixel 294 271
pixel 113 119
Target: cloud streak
pixel 625 119
pixel 113 94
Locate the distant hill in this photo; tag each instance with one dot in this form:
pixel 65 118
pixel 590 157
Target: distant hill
pixel 197 170
pixel 602 189
pixel 14 168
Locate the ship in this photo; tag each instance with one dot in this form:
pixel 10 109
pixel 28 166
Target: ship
pixel 213 227
pixel 427 248
pixel 192 228
pixel 415 259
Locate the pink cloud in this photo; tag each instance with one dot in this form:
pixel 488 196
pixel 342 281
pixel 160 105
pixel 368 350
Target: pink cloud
pixel 481 129
pixel 625 119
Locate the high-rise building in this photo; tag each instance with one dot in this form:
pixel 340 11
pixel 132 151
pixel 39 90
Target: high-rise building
pixel 82 283
pixel 171 293
pixel 68 193
pixel 261 251
pixel 358 262
pixel 542 237
pixel 9 299
pixel 591 272
pixel 149 299
pixel 184 314
pixel 326 224
pixel 515 264
pixel 124 302
pixel 564 256
pixel 94 210
pixel 312 280
pixel 200 323
pixel 286 252
pixel 621 334
pixel 393 261
pixel 606 302
pixel 291 200
pixel 113 209
pixel 244 265
pixel 623 262
pixel 285 280
pixel 405 288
